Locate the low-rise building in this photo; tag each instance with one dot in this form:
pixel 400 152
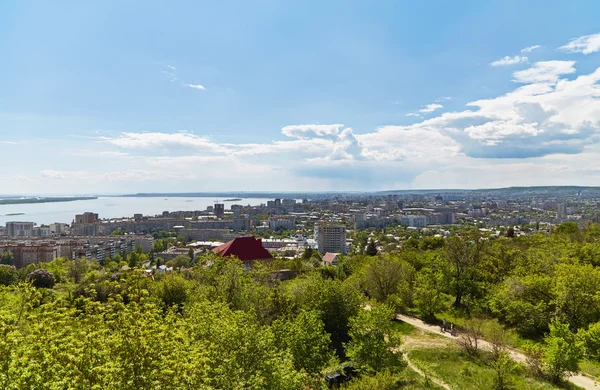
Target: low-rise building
pixel 332 259
pixel 247 249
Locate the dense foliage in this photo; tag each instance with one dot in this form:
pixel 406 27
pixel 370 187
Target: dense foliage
pixel 212 324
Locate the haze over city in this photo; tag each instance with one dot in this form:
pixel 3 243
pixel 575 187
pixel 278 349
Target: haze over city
pixel 113 97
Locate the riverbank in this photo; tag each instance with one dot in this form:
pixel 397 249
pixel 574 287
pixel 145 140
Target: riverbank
pixel 45 200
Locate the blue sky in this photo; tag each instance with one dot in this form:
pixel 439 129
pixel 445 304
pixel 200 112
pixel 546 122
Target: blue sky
pixel 116 97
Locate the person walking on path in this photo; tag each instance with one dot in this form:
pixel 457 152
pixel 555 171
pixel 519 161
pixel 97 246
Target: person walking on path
pixel 444 325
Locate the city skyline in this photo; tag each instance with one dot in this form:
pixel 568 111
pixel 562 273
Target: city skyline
pixel 111 98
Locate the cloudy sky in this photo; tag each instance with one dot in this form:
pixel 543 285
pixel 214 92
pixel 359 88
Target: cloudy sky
pixel 141 96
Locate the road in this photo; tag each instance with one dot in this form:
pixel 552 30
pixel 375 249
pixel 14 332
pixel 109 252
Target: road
pixel 518 356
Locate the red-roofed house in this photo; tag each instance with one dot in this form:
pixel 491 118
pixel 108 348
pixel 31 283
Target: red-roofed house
pixel 246 249
pixel 331 259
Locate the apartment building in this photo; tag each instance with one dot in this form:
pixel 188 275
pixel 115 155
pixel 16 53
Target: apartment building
pixel 281 223
pixel 330 237
pixel 25 253
pixel 19 229
pixel 414 220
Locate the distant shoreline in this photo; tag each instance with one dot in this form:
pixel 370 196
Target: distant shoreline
pixel 44 200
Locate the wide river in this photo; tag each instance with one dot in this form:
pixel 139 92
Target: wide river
pixel 110 207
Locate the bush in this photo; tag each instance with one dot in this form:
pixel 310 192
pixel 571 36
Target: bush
pixel 591 341
pixel 41 278
pixel 8 275
pixel 503 367
pixel 469 339
pixel 179 261
pixel 559 356
pixel 173 290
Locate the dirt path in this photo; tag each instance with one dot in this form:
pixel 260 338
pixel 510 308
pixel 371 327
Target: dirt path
pixel 579 380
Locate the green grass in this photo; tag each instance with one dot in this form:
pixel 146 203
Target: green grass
pixel 407 379
pixel 460 371
pixel 404 328
pixel 590 367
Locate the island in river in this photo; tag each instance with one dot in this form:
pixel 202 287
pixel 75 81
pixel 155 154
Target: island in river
pixel 233 200
pixel 25 200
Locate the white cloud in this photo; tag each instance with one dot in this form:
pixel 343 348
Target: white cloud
pixel 94 153
pixel 170 73
pixel 121 175
pixel 544 71
pixel 443 98
pixel 413 114
pixel 303 131
pixel 501 129
pixel 529 49
pixel 431 108
pixel 196 86
pixel 509 61
pixel 586 44
pixel 299 147
pixel 544 131
pixel 160 140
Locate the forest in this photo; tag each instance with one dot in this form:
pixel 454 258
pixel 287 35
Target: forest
pixel 209 324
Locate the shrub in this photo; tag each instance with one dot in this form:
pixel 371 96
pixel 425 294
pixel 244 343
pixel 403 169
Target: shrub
pixel 8 275
pixel 591 341
pixel 41 278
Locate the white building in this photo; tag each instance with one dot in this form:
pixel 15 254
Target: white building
pixel 277 243
pixel 414 220
pixel 476 213
pixel 281 223
pixel 19 229
pixel 330 237
pixel 59 228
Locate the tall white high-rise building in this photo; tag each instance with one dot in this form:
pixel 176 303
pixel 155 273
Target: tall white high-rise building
pixel 330 237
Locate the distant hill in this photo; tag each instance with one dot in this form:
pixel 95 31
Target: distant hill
pixel 532 191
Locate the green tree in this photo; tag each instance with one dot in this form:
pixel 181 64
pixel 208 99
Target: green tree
pixel 384 275
pixel 510 233
pixel 503 367
pixel 133 259
pixel 561 353
pixel 428 293
pixel 7 258
pixel 591 341
pixel 78 268
pixel 337 302
pixel 305 337
pixel 179 261
pixel 578 294
pixel 307 253
pixel 173 290
pixel 371 248
pixel 568 228
pixel 8 275
pixel 464 254
pixel 526 302
pixel 373 343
